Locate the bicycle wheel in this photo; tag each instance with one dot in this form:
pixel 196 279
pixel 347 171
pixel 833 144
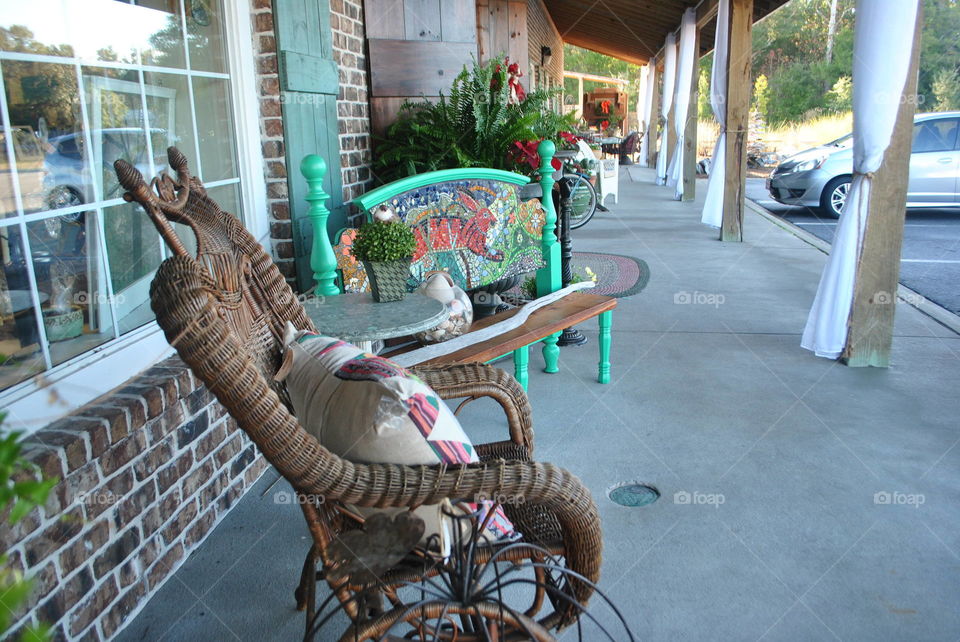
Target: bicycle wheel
pixel 583 200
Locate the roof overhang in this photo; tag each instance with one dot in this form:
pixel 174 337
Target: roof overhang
pixel 634 30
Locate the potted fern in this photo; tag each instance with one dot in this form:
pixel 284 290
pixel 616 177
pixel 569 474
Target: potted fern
pixel 386 249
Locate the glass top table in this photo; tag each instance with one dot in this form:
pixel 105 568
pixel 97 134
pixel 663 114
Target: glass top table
pixel 357 318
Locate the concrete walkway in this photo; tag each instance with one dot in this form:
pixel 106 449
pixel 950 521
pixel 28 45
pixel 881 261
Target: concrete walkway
pixel 801 499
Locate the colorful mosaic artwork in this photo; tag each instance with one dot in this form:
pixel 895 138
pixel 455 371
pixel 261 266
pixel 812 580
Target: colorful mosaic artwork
pixel 476 230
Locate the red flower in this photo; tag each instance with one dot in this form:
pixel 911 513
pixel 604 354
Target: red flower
pixel 604 124
pixel 570 138
pixel 525 153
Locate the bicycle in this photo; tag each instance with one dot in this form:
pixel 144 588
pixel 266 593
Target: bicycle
pixel 583 195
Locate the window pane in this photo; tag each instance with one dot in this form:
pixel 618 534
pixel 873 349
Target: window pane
pixel 28 27
pixel 121 32
pixel 205 35
pixel 934 135
pixel 168 107
pixel 19 339
pixel 215 128
pixel 115 110
pixel 228 197
pixel 8 203
pixel 133 253
pixel 47 132
pixel 76 312
pixel 166 40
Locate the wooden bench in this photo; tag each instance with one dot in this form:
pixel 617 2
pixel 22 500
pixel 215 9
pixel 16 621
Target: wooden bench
pixel 473 224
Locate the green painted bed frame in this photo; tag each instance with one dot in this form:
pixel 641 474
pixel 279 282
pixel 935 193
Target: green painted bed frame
pixel 324 264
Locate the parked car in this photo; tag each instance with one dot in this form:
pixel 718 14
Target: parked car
pixel 820 177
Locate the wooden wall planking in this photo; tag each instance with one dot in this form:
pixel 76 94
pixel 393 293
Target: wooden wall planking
pixel 384 18
pixel 421 19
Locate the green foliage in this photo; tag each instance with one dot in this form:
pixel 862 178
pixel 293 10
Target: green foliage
pixel 21 490
pixel 840 96
pixel 472 127
pixel 380 241
pixel 761 96
pixel 946 90
pixel 704 108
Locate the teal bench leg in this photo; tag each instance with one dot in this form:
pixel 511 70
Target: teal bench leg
pixel 551 353
pixel 521 359
pixel 606 320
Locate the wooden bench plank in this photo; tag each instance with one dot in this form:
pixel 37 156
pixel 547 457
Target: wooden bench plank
pixel 568 311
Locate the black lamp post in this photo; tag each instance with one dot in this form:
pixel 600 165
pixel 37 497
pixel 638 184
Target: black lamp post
pixel 570 336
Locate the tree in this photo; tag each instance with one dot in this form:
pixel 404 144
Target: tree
pixel 946 90
pixel 840 96
pixel 761 96
pixel 704 108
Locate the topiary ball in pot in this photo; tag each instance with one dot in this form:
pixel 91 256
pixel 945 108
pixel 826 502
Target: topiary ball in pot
pixel 386 249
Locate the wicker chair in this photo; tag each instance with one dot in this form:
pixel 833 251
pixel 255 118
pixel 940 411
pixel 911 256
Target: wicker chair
pixel 224 311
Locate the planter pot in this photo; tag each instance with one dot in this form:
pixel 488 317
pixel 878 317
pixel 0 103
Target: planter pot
pixel 388 280
pixel 63 325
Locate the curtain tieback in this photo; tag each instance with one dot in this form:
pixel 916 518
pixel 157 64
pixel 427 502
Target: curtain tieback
pixel 870 175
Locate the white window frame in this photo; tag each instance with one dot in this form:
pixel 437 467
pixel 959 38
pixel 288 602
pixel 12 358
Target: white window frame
pixel 36 402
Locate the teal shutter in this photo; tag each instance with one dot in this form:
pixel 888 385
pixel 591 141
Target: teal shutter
pixel 309 83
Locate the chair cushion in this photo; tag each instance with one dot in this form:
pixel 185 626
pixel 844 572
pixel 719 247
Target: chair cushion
pixel 368 409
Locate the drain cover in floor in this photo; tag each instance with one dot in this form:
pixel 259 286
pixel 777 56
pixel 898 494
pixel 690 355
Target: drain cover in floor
pixel 633 494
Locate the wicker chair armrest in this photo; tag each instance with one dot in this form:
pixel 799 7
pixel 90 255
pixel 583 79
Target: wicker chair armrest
pixel 472 380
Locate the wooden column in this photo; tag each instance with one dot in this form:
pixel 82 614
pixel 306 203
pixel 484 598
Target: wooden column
pixel 878 272
pixel 654 124
pixel 737 118
pixel 688 173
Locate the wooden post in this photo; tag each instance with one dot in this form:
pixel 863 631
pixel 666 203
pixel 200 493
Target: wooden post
pixel 688 173
pixel 323 261
pixel 737 118
pixel 654 123
pixel 580 96
pixel 870 336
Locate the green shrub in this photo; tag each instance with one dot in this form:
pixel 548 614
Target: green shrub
pixel 384 241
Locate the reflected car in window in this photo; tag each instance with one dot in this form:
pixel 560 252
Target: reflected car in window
pixel 820 177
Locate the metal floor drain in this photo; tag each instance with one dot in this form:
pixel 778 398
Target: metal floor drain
pixel 633 494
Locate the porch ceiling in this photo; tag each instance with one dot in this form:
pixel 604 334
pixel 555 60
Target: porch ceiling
pixel 633 30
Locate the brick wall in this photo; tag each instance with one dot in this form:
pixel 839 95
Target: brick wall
pixel 146 472
pixel 542 32
pixel 353 109
pixel 149 469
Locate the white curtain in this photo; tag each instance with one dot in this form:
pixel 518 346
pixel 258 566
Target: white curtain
pixel 883 41
pixel 669 82
pixel 688 57
pixel 713 203
pixel 645 107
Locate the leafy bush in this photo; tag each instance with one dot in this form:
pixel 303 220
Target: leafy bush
pixel 21 490
pixel 384 241
pixel 474 126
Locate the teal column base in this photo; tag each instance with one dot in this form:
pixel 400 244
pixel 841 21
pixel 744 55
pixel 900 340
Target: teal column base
pixel 521 361
pixel 551 354
pixel 605 320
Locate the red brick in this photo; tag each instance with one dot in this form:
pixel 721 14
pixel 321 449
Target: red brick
pixel 136 504
pixel 48 460
pixel 199 529
pixel 122 453
pixel 10 534
pixel 116 419
pixel 280 211
pixel 154 518
pixel 209 441
pixel 41 544
pixel 179 523
pixel 93 606
pixel 72 442
pixel 273 127
pixel 167 477
pixel 107 496
pixel 263 22
pixel 116 552
pixel 84 547
pixel 114 618
pixel 159 571
pixel 66 596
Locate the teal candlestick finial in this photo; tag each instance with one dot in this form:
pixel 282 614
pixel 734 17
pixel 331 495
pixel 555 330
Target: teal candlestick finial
pixel 323 261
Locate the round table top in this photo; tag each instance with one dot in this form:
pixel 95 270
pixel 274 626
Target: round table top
pixel 357 317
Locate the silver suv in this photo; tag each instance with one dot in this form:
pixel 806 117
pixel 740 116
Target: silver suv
pixel 820 177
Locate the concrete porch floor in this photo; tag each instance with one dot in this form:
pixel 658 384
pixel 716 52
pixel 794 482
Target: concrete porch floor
pixel 710 400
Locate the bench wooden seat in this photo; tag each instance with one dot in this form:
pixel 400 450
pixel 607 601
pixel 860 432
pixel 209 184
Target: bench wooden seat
pixel 572 309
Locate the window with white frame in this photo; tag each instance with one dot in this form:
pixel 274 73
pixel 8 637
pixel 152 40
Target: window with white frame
pixel 85 82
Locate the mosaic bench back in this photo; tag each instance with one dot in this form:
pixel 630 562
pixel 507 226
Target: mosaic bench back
pixel 470 223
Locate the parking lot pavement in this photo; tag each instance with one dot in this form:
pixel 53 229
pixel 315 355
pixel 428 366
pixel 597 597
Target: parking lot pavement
pixel 930 259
